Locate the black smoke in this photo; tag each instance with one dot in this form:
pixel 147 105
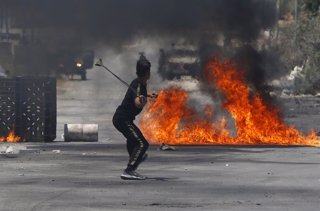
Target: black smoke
pixel 118 21
pixel 115 22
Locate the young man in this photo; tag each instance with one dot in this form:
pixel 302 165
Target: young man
pixel 132 104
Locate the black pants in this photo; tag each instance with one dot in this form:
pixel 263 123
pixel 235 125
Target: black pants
pixel 137 145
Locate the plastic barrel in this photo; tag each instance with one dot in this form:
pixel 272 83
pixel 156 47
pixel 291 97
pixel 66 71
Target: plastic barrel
pixel 81 132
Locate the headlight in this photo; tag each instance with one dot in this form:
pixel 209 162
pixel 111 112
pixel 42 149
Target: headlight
pixel 79 64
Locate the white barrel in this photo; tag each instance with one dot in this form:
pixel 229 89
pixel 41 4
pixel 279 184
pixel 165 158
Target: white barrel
pixel 81 132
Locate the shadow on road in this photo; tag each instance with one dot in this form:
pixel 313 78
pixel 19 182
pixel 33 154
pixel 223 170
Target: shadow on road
pixel 164 179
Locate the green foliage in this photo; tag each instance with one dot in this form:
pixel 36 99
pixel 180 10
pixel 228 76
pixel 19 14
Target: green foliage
pixel 307 40
pixel 286 6
pixel 299 45
pixel 311 6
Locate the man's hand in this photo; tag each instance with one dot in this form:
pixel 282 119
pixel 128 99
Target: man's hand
pixel 153 95
pixel 140 101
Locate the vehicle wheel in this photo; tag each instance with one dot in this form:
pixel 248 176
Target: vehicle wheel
pixel 84 76
pixel 170 76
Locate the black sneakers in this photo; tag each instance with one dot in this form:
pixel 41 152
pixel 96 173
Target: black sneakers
pixel 132 175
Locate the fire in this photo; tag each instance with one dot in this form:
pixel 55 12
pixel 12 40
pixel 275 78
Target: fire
pixel 169 120
pixel 10 138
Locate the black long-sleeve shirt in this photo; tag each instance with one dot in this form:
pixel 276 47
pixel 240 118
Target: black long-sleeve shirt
pixel 128 110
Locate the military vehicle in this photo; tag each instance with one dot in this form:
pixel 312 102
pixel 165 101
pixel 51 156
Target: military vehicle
pixel 180 60
pixel 27 50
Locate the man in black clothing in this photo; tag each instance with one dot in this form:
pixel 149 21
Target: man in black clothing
pixel 132 104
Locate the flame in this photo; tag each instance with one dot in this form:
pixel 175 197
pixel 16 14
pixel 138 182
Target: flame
pixel 10 138
pixel 169 120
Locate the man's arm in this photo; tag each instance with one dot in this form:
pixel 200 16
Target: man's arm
pixel 140 101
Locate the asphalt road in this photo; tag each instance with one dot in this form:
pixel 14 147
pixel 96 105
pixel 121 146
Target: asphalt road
pixel 86 176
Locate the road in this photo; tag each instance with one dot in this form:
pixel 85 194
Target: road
pixel 86 176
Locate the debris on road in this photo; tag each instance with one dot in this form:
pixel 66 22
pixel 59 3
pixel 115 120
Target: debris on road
pixel 166 147
pixel 9 149
pixel 9 152
pixel 89 153
pixel 57 151
pixel 13 150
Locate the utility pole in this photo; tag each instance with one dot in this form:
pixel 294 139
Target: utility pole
pixel 296 10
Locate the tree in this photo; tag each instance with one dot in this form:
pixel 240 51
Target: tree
pixel 298 42
pixel 311 6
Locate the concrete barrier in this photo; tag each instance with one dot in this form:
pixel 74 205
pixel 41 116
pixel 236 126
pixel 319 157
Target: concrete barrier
pixel 81 132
